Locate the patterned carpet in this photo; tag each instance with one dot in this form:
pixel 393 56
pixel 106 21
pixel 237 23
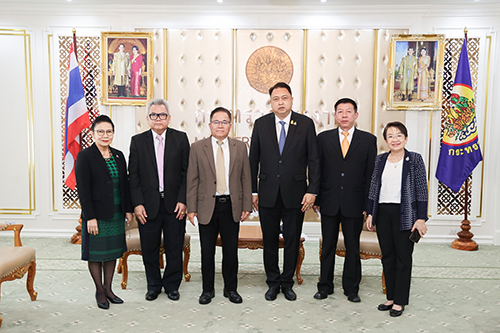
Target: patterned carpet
pixel 452 291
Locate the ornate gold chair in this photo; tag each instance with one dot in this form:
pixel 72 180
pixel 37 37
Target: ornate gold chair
pixel 16 260
pixel 368 247
pixel 134 247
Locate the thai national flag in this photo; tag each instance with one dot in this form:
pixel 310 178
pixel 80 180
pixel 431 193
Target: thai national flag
pixel 77 119
pixel 460 152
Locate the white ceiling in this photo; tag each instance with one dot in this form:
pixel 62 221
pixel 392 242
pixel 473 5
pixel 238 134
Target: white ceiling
pixel 225 3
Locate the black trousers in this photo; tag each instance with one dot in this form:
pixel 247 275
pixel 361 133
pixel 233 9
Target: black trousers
pixel 397 251
pixel 173 241
pixel 351 229
pixel 270 219
pixel 222 222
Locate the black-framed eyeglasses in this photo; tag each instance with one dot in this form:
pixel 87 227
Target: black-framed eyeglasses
pixel 102 132
pixel 223 123
pixel 155 116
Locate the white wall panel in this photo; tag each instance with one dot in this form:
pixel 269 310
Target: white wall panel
pixel 200 69
pixel 16 131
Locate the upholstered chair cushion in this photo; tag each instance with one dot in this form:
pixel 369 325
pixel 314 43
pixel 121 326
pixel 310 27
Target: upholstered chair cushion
pixel 14 257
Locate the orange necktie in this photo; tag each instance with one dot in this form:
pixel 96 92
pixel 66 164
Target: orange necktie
pixel 345 144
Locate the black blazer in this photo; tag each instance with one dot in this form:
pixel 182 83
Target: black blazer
pixel 95 187
pixel 143 171
pixel 289 172
pixel 345 182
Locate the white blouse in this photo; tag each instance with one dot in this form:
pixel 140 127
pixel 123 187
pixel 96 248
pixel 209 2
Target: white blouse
pixel 392 176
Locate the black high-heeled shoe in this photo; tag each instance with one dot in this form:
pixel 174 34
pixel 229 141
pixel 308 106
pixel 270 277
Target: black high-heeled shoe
pixel 104 306
pixel 115 300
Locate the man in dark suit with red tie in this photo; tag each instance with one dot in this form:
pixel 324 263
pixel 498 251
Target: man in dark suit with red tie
pixel 347 157
pixel 158 164
pixel 285 180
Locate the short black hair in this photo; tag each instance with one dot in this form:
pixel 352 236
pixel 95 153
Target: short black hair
pixel 135 47
pixel 399 125
pixel 344 101
pixel 280 85
pixel 101 119
pixel 220 109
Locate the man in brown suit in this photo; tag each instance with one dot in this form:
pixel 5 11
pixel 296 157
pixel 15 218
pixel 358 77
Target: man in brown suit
pixel 219 194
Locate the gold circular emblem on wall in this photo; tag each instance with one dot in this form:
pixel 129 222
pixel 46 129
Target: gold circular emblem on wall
pixel 267 66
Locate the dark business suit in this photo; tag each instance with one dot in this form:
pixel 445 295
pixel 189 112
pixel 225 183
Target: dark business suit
pixel 281 182
pixel 342 199
pixel 95 189
pixel 218 214
pixel 144 190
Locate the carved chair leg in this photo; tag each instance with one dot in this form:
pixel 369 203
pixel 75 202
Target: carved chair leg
pixel 187 255
pixel 119 267
pixel 300 259
pixel 162 263
pixel 124 270
pixel 384 288
pixel 30 279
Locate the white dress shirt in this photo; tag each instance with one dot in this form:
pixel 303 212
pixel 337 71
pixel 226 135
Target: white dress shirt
pixel 225 151
pixel 156 143
pixel 278 125
pixel 392 177
pixel 349 137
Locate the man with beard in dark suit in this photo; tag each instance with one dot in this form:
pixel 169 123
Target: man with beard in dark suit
pixel 157 170
pixel 285 180
pixel 347 157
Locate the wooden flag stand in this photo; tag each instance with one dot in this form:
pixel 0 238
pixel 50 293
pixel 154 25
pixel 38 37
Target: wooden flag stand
pixel 464 241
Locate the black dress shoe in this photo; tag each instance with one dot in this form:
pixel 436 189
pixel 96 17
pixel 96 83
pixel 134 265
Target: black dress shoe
pixel 271 293
pixel 115 300
pixel 173 295
pixel 289 293
pixel 151 295
pixel 354 298
pixel 383 307
pixel 233 296
pixel 396 313
pixel 206 297
pixel 321 294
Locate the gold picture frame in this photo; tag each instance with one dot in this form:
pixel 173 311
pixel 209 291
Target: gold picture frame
pixel 126 68
pixel 416 72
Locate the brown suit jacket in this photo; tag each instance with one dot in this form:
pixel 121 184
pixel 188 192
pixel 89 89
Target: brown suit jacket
pixel 201 180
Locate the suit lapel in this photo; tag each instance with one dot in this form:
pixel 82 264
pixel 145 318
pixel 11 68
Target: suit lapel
pixel 232 155
pixel 209 153
pixel 406 167
pixel 99 159
pixel 354 143
pixel 336 142
pixel 271 129
pixel 150 147
pixel 292 127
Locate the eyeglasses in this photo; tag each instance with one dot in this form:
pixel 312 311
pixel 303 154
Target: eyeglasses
pixel 223 123
pixel 102 132
pixel 155 116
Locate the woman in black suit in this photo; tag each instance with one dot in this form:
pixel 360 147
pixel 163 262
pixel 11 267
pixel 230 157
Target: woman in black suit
pixel 397 204
pixel 102 182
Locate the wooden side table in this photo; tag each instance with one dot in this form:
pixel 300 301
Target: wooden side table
pixel 250 237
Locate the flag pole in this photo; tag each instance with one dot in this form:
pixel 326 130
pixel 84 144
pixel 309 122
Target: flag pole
pixel 77 236
pixel 464 241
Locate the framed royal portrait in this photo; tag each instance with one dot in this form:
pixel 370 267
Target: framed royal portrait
pixel 126 68
pixel 415 72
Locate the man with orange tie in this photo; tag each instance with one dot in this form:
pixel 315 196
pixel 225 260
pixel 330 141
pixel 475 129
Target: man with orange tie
pixel 347 157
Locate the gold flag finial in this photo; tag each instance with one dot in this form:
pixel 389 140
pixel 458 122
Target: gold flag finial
pixel 74 30
pixel 465 30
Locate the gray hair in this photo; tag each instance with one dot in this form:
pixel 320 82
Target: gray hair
pixel 158 101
